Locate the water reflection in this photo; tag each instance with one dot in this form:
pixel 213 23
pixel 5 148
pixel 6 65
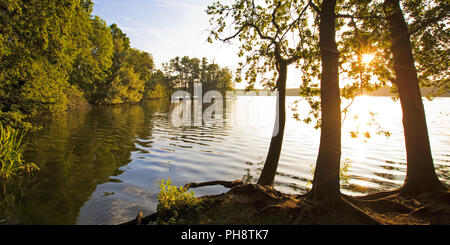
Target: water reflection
pixel 76 152
pixel 104 165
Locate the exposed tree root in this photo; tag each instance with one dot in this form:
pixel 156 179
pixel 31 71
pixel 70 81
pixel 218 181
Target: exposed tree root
pixel 256 204
pixel 227 184
pixel 338 211
pixel 378 195
pixel 408 206
pixel 408 191
pixel 380 205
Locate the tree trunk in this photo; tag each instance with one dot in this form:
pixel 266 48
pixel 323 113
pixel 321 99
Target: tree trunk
pixel 326 176
pixel 420 174
pixel 270 166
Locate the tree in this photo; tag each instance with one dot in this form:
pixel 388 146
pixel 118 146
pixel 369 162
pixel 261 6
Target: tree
pixel 182 73
pixel 131 69
pixel 95 52
pixel 263 30
pixel 191 68
pixel 420 175
pixel 142 63
pixel 126 86
pixel 185 72
pixel 213 77
pixel 121 41
pixel 36 55
pixel 384 32
pixel 326 175
pixel 121 44
pixel 56 56
pixel 157 86
pixel 224 80
pixel 429 34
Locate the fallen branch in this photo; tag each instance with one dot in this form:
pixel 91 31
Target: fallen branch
pixel 226 184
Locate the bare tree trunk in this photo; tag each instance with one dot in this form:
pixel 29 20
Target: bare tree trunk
pixel 270 166
pixel 420 175
pixel 326 176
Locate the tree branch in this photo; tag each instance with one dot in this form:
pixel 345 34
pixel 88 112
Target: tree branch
pixel 262 36
pixel 231 37
pixel 317 9
pixel 258 31
pixel 274 22
pixel 296 21
pixel 293 59
pixel 359 17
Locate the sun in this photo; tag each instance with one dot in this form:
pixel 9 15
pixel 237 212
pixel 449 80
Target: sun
pixel 367 58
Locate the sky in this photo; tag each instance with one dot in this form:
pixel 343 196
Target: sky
pixel 166 28
pixel 170 28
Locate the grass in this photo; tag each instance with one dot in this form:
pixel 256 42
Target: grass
pixel 11 158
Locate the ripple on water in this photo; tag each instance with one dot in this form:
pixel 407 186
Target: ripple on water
pixel 125 151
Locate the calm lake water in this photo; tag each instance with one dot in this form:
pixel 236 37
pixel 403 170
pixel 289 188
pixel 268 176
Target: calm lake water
pixel 104 165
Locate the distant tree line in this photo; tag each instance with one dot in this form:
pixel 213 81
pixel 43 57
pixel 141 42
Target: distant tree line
pixel 57 56
pixel 183 73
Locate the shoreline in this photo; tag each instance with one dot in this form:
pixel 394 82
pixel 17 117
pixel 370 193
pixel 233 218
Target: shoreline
pixel 252 204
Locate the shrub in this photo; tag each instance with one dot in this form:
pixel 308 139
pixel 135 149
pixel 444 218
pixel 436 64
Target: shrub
pixel 173 202
pixel 16 120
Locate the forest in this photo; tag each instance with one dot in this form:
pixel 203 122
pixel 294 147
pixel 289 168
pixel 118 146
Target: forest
pixel 56 57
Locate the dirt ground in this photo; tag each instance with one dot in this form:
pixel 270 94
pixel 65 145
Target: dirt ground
pixel 248 204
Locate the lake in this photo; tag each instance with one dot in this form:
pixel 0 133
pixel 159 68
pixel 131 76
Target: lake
pixel 103 165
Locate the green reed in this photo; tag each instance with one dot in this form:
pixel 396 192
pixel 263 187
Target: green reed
pixel 11 158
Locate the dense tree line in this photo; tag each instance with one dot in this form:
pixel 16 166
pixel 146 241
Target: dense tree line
pixel 56 56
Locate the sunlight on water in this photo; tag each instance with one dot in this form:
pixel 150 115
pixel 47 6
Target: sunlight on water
pixel 104 165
